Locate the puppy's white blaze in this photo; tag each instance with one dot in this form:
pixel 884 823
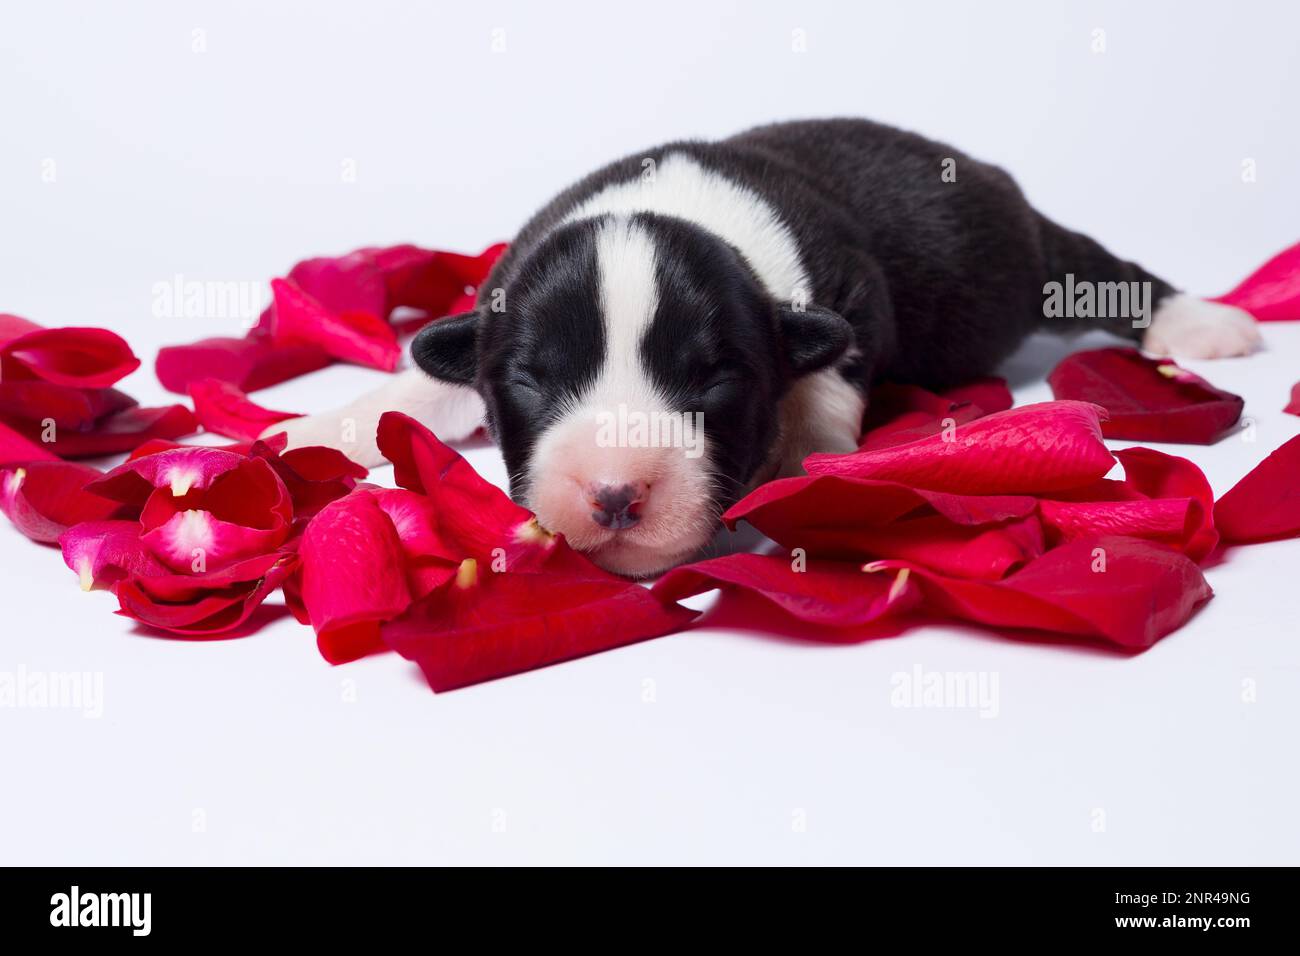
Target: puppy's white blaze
pixel 569 455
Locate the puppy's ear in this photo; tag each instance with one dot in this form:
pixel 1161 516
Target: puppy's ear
pixel 447 348
pixel 812 337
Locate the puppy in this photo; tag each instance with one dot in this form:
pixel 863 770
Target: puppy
pixel 697 318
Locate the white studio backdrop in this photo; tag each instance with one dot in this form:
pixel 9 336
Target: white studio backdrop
pixel 140 142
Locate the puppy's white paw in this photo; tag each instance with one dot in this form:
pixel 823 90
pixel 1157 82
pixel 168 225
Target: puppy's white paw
pixel 452 412
pixel 334 430
pixel 1188 327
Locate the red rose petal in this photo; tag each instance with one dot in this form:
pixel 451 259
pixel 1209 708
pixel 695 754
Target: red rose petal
pixel 181 469
pixel 315 475
pixel 44 498
pixel 1266 503
pixel 1272 292
pixel 78 357
pixel 120 432
pixel 825 593
pixel 244 511
pixel 1147 399
pixel 1162 498
pixel 1293 407
pixel 358 337
pixel 438 283
pixel 248 364
pixel 353 576
pixel 16 449
pixel 1145 591
pixel 485 625
pixel 898 414
pixel 102 552
pixel 474 517
pixel 1035 448
pixel 66 406
pixel 350 283
pixel 836 517
pixel 224 409
pixel 203 604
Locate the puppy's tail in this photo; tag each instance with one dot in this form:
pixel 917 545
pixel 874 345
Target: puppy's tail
pixel 452 412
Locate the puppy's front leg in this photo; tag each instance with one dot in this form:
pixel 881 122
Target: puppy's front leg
pixel 452 412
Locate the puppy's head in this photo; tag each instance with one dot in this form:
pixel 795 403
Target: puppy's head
pixel 632 372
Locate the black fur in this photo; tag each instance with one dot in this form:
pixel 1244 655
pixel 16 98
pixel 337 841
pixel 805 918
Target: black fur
pixel 935 283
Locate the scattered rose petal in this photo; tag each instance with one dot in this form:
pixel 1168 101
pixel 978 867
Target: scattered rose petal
pixel 839 517
pixel 68 407
pixel 44 498
pixel 485 624
pixel 358 337
pixel 16 449
pixel 120 432
pixel 1266 503
pixel 1034 448
pixel 898 414
pixel 474 518
pixel 203 604
pixel 315 475
pixel 103 552
pixel 1147 399
pixel 76 357
pixel 1126 591
pixel 224 409
pixel 352 576
pixel 245 511
pixel 1293 407
pixel 824 593
pixel 248 364
pixel 179 469
pixel 1162 497
pixel 1272 292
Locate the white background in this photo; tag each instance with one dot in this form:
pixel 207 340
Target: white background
pixel 227 164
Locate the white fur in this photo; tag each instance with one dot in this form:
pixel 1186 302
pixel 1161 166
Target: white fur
pixel 1189 327
pixel 452 411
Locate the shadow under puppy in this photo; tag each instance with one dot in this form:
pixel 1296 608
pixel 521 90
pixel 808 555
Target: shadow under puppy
pixel 695 319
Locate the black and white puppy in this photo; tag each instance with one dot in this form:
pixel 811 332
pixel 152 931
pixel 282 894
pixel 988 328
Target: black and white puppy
pixel 694 319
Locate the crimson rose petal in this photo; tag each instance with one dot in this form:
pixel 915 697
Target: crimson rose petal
pixel 353 576
pixel 1272 292
pixel 44 498
pixel 824 593
pixel 224 409
pixel 1266 503
pixel 77 357
pixel 248 364
pixel 358 337
pixel 487 624
pixel 1147 399
pixel 102 552
pixel 1035 448
pixel 1123 590
pixel 203 604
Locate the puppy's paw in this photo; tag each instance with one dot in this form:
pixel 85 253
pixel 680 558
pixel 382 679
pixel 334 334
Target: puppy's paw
pixel 333 430
pixel 1187 327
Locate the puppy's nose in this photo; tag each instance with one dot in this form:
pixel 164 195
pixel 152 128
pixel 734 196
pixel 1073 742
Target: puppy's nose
pixel 616 506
